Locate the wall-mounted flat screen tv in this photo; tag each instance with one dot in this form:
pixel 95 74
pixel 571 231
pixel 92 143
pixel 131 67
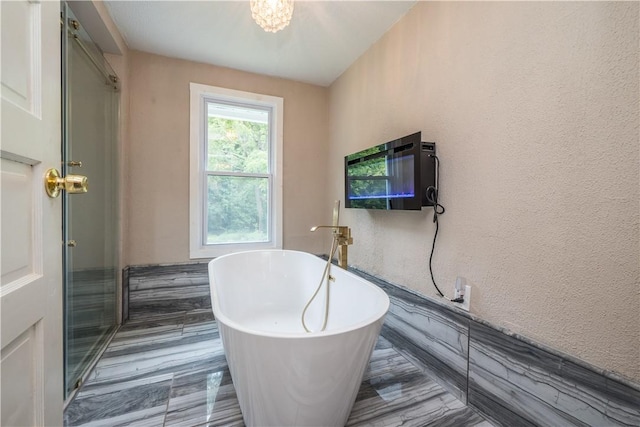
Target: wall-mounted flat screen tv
pixel 392 176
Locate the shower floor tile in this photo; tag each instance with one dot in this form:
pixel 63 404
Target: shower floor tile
pixel 170 370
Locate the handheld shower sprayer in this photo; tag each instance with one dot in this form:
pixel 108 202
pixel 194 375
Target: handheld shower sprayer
pixel 341 238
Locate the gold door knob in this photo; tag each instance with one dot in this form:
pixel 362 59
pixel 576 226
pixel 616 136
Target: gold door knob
pixel 72 184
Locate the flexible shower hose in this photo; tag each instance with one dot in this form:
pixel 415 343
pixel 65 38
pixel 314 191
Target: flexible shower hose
pixel 334 246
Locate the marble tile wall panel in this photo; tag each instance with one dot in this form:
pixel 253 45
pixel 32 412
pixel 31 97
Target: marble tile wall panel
pixel 91 308
pixel 146 276
pixel 167 289
pixel 91 299
pixel 431 335
pixel 516 382
pixel 125 294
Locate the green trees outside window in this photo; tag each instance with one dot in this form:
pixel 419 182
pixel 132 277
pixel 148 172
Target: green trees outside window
pixel 238 174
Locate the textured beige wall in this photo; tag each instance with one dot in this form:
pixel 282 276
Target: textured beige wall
pixel 157 187
pixel 535 110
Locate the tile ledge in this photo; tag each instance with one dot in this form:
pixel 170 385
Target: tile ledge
pixel 167 264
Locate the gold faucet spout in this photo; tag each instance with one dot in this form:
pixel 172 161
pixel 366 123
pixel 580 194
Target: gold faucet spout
pixel 324 226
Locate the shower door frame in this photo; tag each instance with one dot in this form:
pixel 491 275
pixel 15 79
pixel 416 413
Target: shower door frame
pixel 96 349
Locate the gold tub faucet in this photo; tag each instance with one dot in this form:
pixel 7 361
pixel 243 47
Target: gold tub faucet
pixel 342 234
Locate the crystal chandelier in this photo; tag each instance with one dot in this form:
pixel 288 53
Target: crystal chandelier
pixel 272 15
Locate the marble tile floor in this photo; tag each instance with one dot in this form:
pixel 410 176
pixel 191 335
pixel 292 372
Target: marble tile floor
pixel 170 370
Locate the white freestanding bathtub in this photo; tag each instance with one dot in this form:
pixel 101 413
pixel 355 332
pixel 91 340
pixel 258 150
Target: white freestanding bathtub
pixel 284 376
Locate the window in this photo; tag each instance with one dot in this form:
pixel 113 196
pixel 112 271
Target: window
pixel 235 172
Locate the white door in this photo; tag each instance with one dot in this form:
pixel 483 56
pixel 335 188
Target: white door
pixel 31 236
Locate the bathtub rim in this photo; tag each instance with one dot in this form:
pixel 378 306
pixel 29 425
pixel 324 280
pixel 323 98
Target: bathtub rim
pixel 222 318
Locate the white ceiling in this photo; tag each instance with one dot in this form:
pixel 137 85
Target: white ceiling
pixel 322 41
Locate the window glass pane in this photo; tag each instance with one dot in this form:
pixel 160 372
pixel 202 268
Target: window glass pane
pixel 237 139
pixel 237 210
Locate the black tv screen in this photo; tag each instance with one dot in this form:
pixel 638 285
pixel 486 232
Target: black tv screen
pixel 387 176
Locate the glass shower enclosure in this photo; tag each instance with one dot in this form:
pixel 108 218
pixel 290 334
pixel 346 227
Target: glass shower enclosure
pixel 90 229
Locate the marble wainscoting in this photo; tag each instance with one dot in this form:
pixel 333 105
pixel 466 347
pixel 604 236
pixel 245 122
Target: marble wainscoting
pixel 508 378
pixel 125 295
pixel 162 289
pixel 517 382
pixel 91 315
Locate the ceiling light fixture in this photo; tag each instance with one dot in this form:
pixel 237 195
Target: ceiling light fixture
pixel 272 15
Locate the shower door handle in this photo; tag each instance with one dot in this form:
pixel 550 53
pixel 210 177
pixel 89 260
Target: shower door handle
pixel 72 184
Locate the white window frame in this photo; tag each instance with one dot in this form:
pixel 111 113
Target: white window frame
pixel 197 170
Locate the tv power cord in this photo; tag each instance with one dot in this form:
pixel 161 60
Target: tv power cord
pixel 438 209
